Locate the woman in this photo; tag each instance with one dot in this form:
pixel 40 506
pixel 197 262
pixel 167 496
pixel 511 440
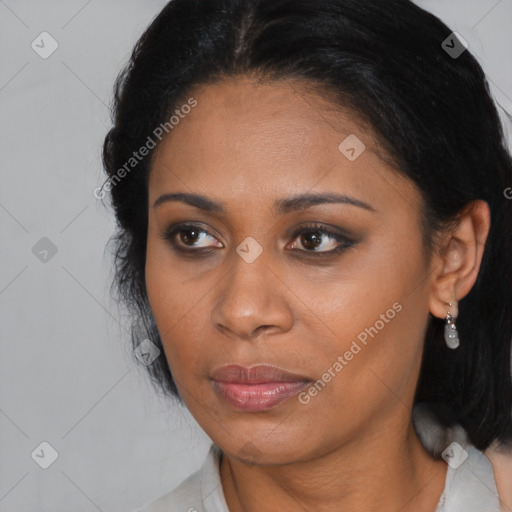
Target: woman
pixel 315 241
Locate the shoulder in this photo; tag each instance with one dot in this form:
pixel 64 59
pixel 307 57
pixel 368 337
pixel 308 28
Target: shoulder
pixel 188 493
pixel 470 481
pixel 191 494
pixel 501 459
pixel 473 476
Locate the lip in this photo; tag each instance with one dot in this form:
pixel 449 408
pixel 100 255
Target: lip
pixel 258 387
pixel 256 374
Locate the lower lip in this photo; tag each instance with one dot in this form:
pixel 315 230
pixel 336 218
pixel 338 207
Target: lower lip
pixel 257 397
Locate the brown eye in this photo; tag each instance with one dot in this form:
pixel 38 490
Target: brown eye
pixel 190 235
pixel 311 240
pixel 318 239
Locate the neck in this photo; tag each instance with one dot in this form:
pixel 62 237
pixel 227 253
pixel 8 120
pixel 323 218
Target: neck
pixel 373 472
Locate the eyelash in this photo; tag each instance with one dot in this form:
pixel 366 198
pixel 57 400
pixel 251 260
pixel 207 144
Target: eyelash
pixel 345 242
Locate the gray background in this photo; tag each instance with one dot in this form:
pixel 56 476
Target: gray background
pixel 66 374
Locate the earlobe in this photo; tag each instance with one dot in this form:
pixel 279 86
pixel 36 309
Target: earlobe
pixel 446 277
pixel 456 267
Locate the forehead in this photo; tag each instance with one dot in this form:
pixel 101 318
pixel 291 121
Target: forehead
pixel 246 136
pixel 240 116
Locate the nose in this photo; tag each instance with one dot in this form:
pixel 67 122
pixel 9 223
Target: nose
pixel 252 300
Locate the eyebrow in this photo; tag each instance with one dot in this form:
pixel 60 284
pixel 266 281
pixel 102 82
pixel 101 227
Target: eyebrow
pixel 282 206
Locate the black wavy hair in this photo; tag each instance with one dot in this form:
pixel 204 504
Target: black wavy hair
pixel 432 113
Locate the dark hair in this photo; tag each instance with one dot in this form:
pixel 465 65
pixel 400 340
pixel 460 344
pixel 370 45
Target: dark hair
pixel 432 113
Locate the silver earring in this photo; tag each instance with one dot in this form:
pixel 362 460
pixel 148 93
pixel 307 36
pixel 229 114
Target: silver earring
pixel 451 336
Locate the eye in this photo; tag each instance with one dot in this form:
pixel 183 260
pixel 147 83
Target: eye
pixel 312 239
pixel 316 238
pixel 190 235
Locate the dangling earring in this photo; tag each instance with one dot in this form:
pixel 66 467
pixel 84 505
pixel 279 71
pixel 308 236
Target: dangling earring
pixel 451 336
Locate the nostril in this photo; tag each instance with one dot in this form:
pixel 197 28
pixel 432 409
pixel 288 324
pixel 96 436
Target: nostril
pixel 264 328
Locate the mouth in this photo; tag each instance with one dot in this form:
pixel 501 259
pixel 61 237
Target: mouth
pixel 257 388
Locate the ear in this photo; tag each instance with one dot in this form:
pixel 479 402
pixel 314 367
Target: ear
pixel 457 264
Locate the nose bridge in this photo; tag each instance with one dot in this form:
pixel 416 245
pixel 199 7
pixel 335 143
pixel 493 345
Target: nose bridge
pixel 250 297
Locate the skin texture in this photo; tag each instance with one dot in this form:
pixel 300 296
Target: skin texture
pixel 353 446
pixel 501 459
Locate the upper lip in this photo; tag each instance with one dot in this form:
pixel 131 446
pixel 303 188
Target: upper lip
pixel 257 374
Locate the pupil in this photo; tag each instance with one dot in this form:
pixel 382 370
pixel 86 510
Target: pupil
pixel 311 238
pixel 191 239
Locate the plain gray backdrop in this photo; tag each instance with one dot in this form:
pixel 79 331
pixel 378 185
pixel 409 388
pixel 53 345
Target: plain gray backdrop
pixel 67 377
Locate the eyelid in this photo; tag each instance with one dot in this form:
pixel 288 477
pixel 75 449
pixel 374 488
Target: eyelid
pixel 344 240
pixel 170 232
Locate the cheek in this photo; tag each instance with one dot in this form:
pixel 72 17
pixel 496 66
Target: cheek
pixel 364 309
pixel 369 279
pixel 374 316
pixel 177 309
pixel 173 291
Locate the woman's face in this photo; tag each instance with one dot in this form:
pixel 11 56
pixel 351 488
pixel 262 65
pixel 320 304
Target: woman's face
pixel 343 305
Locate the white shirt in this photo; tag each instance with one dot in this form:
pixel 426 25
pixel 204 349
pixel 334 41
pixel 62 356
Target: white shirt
pixel 470 485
